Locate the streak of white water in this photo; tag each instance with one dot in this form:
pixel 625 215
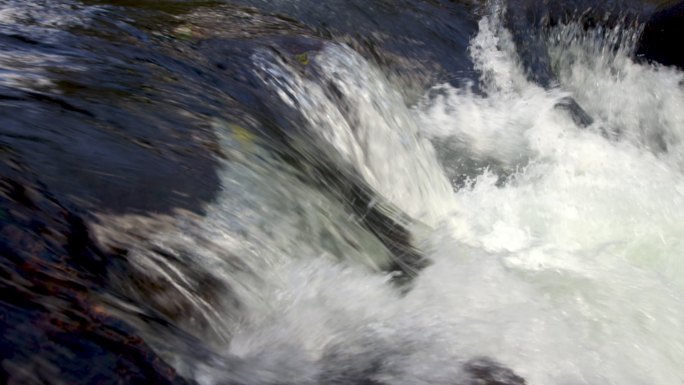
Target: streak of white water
pixel 370 127
pixel 571 272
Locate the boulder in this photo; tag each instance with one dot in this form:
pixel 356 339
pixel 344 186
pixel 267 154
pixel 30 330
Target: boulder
pixel 661 39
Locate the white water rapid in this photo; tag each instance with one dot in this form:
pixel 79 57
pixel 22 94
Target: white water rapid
pixel 559 253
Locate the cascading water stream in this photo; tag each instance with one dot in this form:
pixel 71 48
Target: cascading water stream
pixel 562 259
pixel 555 248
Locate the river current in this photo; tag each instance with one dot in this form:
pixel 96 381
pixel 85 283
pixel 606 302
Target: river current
pixel 299 192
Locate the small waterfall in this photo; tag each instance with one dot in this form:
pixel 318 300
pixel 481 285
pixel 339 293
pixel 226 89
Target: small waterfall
pixel 556 249
pixel 351 106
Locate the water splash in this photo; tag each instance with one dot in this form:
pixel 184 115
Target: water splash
pixel 559 254
pixel 586 219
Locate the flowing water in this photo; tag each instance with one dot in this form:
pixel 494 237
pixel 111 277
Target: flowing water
pixel 553 248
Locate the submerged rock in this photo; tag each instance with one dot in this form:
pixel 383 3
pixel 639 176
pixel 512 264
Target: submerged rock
pixel 577 113
pixel 484 371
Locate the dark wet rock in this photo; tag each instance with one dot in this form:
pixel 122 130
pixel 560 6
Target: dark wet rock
pixel 577 113
pixel 524 19
pixel 661 39
pixel 390 227
pixel 108 123
pixel 41 347
pixel 484 371
pixel 54 328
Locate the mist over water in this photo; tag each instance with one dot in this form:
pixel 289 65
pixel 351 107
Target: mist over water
pixel 554 249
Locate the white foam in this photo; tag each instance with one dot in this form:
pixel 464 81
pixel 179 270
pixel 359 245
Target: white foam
pixel 592 224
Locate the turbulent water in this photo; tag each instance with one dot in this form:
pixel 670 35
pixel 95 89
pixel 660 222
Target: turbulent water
pixel 553 248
